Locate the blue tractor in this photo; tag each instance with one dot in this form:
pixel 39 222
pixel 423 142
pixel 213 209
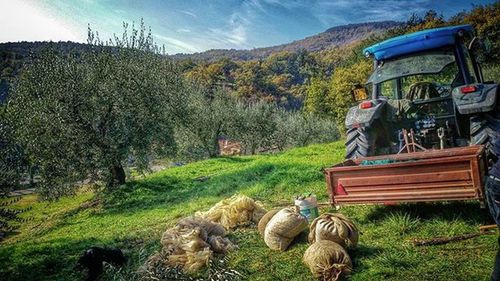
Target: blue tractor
pixel 429 83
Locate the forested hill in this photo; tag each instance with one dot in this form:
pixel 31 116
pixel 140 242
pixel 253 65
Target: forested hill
pixel 13 55
pixel 337 36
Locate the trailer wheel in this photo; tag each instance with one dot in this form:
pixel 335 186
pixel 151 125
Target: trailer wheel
pixel 485 129
pixel 360 142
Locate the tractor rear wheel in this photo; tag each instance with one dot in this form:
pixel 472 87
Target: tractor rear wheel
pixel 360 142
pixel 485 129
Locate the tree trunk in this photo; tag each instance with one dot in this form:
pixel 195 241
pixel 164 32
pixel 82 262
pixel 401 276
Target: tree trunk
pixel 214 149
pixel 32 177
pixel 217 146
pixel 117 175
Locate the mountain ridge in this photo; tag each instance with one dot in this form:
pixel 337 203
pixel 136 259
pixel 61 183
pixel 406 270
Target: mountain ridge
pixel 336 36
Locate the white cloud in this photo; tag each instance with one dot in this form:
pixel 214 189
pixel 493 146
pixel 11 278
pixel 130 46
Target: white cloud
pixel 176 45
pixel 23 21
pixel 188 13
pixel 234 33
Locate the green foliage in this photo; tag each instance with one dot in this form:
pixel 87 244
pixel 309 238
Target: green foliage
pixel 339 98
pixel 316 98
pixel 295 129
pixel 258 126
pixel 250 81
pixel 485 19
pixel 255 125
pixel 214 75
pixel 431 19
pixel 492 73
pixel 11 157
pixel 208 117
pixel 82 117
pixel 279 78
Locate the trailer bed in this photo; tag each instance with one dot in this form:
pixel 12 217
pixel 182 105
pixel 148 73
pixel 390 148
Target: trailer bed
pixel 432 175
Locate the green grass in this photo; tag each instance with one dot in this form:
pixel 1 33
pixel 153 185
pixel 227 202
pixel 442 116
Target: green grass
pixel 134 217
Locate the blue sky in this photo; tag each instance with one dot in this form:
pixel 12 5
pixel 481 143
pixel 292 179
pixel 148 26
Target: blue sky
pixel 186 26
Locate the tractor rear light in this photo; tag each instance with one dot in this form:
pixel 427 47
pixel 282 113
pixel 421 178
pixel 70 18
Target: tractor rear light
pixel 468 89
pixel 366 105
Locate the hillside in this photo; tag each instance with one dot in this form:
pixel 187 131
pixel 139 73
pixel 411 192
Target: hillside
pixel 134 216
pixel 337 36
pixel 14 55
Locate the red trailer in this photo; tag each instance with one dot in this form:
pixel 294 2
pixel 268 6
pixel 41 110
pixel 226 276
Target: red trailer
pixel 431 175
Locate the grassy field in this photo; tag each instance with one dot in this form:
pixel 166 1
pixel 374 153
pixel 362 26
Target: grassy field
pixel 134 217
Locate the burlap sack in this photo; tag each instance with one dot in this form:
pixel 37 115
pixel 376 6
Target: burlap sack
pixel 220 245
pixel 334 227
pixel 185 248
pixel 283 227
pixel 235 211
pixel 327 260
pixel 190 261
pixel 265 220
pixel 209 228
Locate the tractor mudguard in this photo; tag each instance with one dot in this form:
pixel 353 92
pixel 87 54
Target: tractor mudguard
pixel 481 100
pixel 363 117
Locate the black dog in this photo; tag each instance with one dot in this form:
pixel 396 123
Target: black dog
pixel 93 258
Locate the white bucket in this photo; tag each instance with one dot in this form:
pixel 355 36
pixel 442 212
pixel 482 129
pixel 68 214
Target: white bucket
pixel 308 207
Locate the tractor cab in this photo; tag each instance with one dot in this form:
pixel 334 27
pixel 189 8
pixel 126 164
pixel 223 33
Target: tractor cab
pixel 428 82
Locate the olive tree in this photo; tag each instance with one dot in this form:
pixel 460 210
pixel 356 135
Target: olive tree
pixel 295 129
pixel 255 125
pixel 82 117
pixel 210 115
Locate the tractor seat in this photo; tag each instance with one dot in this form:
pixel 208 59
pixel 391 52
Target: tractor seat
pixel 422 91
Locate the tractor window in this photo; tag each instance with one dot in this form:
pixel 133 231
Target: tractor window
pixel 428 86
pixel 431 62
pixel 470 66
pixel 388 89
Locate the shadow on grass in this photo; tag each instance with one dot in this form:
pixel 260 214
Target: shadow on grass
pixel 449 211
pixel 302 238
pixel 363 252
pixel 170 191
pixel 51 260
pixel 55 259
